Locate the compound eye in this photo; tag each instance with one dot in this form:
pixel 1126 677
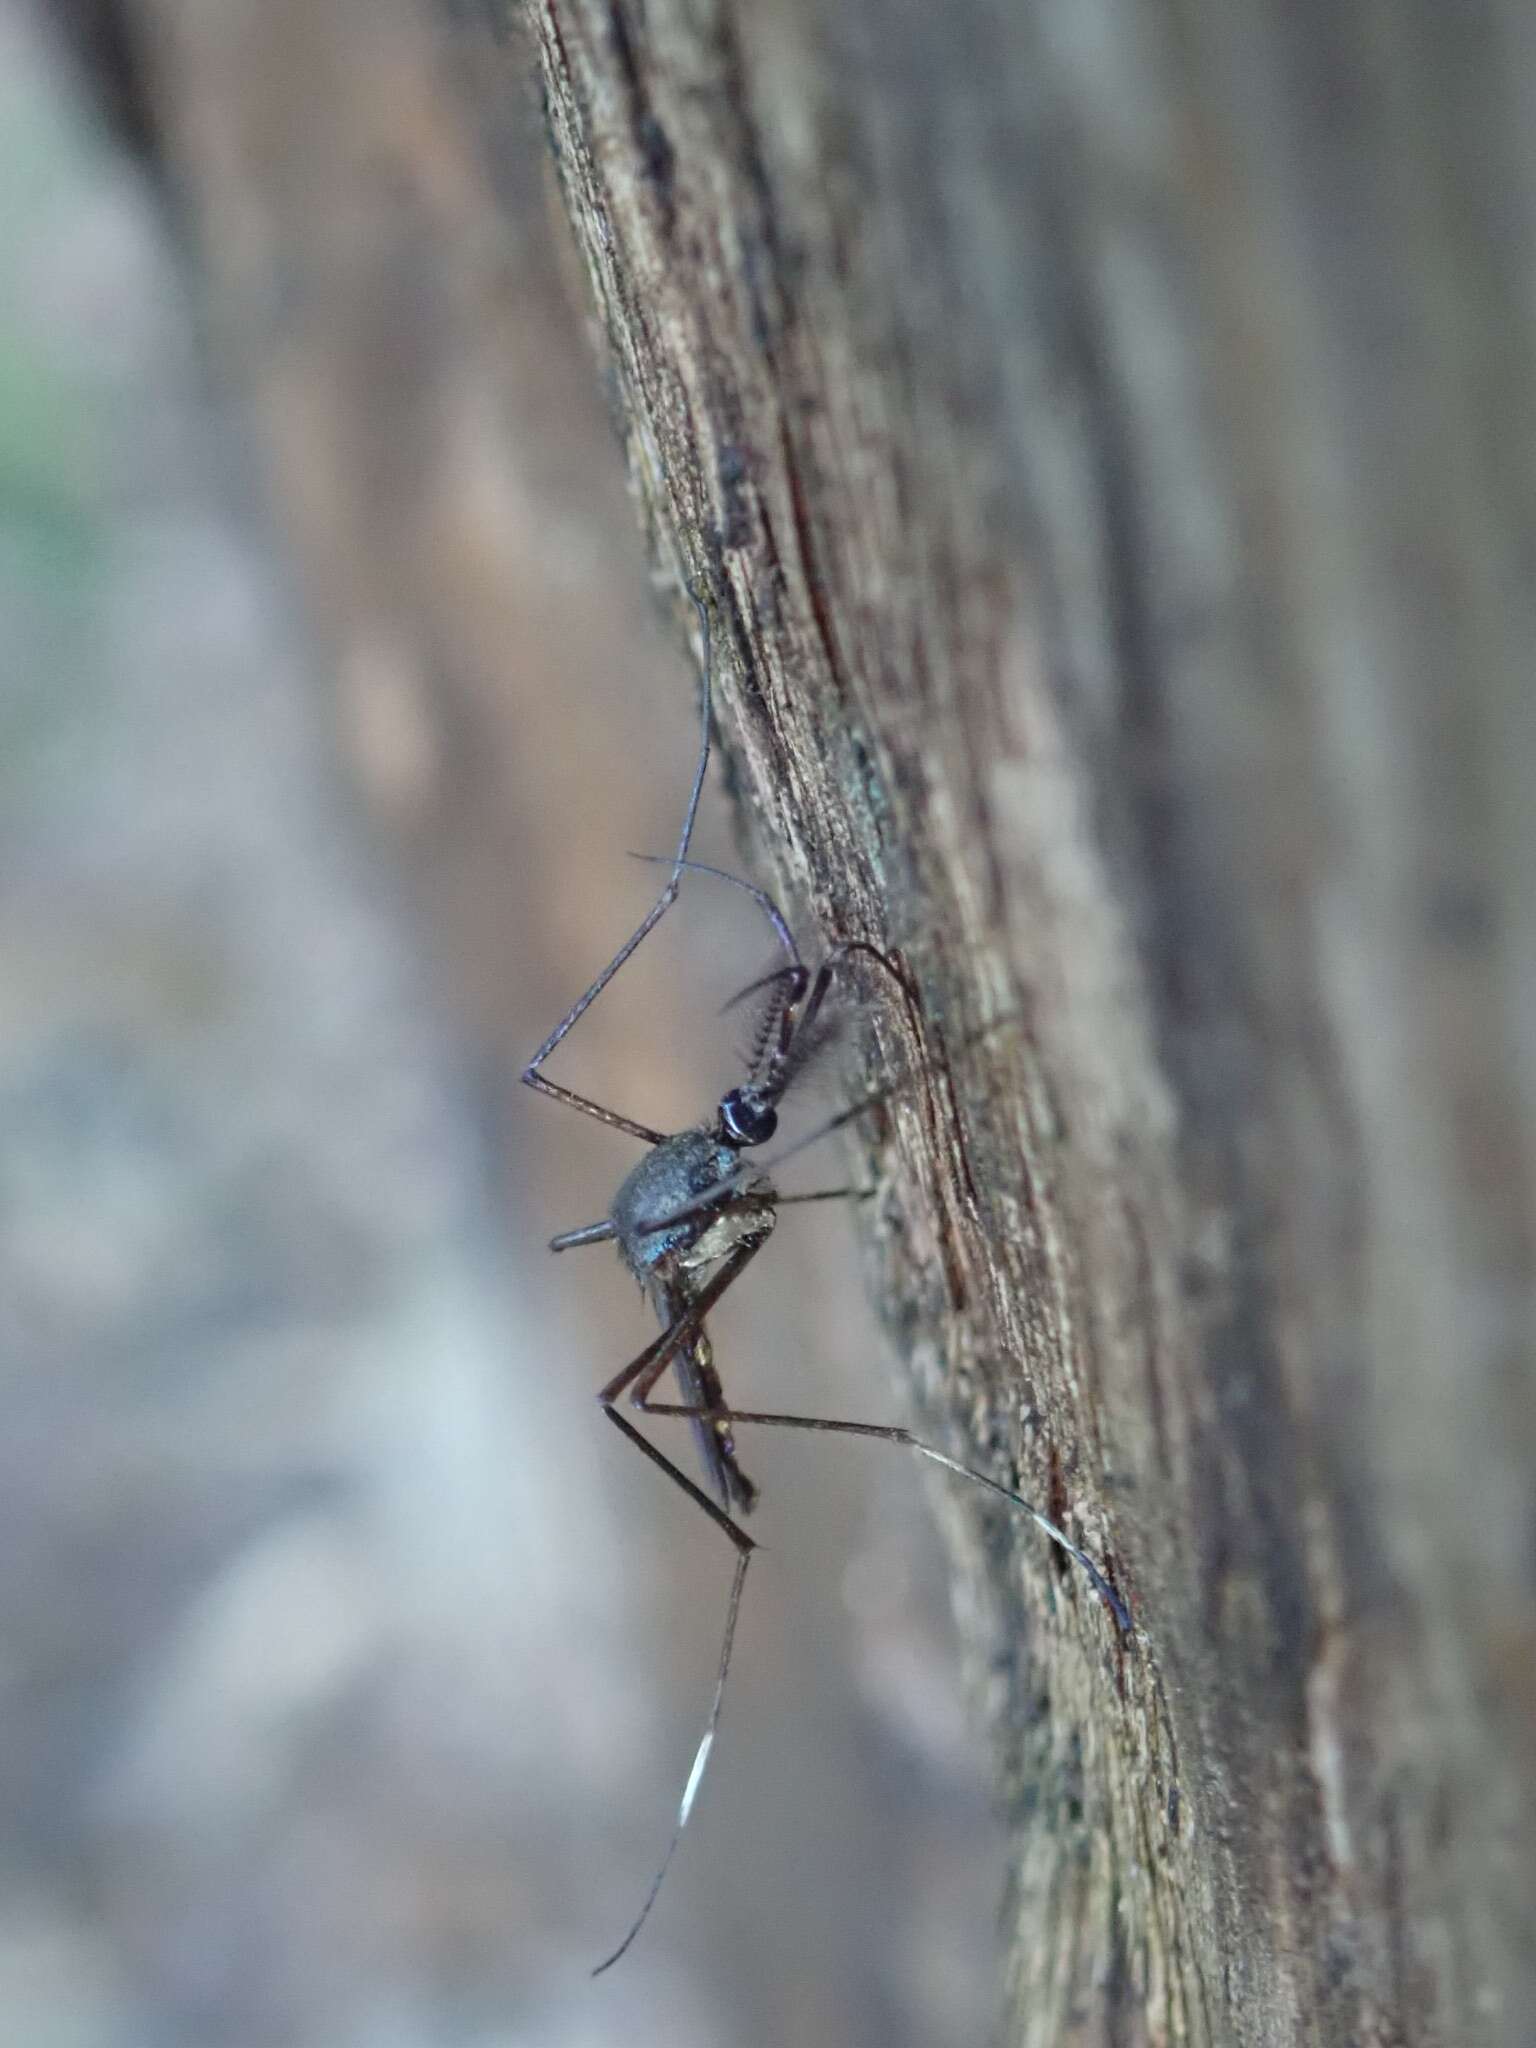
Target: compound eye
pixel 745 1122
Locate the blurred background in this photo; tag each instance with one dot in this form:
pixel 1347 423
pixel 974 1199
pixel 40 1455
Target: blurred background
pixel 350 1666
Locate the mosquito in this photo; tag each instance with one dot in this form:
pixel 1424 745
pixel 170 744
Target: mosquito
pixel 691 1217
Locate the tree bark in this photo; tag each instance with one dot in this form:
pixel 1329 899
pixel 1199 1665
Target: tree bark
pixel 1103 439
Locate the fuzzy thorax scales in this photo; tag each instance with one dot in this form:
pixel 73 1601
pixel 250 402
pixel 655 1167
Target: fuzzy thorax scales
pixel 673 1174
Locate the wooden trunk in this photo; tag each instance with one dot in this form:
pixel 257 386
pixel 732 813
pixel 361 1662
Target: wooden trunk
pixel 1105 434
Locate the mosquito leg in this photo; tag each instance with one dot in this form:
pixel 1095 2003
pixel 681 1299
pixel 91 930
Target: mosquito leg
pixel 828 1195
pixel 589 1233
pixel 891 1433
pixel 531 1074
pixel 761 898
pixel 683 1345
pixel 647 1368
pixel 588 1107
pixel 744 1549
pixel 839 1122
pixel 643 1372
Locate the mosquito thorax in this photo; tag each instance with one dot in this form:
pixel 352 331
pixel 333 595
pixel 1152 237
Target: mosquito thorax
pixel 672 1175
pixel 746 1119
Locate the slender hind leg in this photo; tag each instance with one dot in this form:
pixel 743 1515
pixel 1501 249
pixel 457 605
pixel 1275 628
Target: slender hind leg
pixel 744 1549
pixel 893 1433
pixel 642 1373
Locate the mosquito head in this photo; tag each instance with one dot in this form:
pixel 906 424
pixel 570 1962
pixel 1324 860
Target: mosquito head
pixel 747 1117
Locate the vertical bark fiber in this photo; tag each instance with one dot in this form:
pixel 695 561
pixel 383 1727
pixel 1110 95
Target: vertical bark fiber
pixel 1103 435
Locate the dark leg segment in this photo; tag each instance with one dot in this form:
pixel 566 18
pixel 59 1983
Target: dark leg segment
pixel 589 1233
pixel 652 1362
pixel 893 1433
pixel 744 1549
pixel 645 1371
